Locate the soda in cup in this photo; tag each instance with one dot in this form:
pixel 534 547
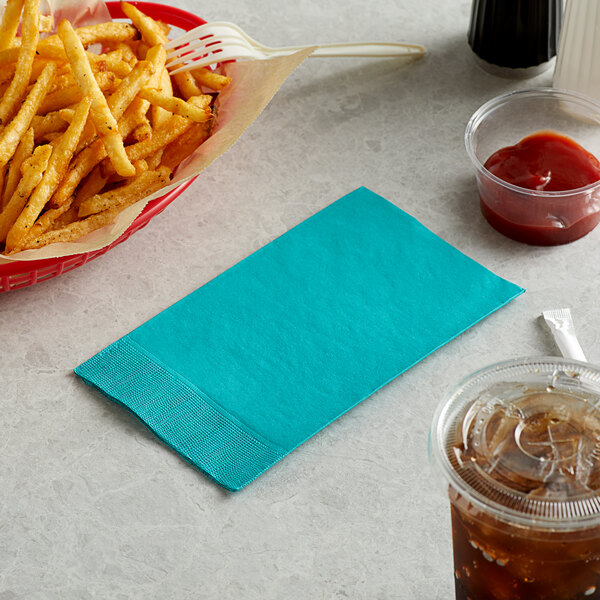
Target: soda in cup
pixel 518 448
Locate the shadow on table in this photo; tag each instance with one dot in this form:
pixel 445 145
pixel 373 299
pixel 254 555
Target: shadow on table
pixel 448 71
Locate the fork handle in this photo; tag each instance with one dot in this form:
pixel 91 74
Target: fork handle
pixel 364 49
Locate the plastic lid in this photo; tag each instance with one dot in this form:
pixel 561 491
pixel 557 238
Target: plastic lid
pixel 521 439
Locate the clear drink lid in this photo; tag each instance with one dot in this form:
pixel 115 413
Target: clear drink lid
pixel 521 439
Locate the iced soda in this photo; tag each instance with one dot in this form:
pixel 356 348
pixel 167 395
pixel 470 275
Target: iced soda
pixel 519 447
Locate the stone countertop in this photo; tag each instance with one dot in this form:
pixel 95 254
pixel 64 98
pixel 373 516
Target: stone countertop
pixel 94 507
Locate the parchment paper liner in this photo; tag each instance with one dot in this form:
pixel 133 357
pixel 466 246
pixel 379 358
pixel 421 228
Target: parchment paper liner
pixel 253 85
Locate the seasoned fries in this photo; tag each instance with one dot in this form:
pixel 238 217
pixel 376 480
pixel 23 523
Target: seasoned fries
pixel 11 135
pixel 103 119
pixel 33 170
pixel 10 22
pixel 176 105
pixel 31 34
pixel 55 170
pixel 85 135
pixel 24 151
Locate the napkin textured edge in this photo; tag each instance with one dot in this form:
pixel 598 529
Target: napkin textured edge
pixel 180 415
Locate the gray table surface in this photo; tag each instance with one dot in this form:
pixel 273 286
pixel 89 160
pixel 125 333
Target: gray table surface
pixel 93 506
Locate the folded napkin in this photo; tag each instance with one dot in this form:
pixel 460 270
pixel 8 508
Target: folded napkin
pixel 252 364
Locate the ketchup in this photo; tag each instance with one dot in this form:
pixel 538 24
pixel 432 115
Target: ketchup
pixel 545 162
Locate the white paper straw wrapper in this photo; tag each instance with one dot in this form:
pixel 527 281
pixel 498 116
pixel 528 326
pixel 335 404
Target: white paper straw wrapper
pixel 561 325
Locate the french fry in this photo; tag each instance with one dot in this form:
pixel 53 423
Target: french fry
pixel 165 27
pixel 92 185
pixel 48 123
pixel 62 81
pixel 123 96
pixel 38 66
pixel 33 171
pixel 62 66
pixel 81 166
pixel 133 117
pixel 66 218
pixel 160 138
pixel 72 94
pixel 157 55
pixel 113 55
pixel 3 173
pixel 159 115
pixel 179 149
pixel 141 166
pixel 57 166
pixel 18 86
pixel 143 184
pixel 6 75
pixel 106 124
pixel 23 152
pixel 141 50
pixel 187 84
pixel 88 135
pixel 202 101
pixel 12 133
pixel 46 23
pixel 64 113
pixel 9 56
pixel 45 222
pixel 176 105
pixel 208 78
pixel 127 54
pixel 120 68
pixel 10 22
pixel 74 231
pixel 114 62
pixel 143 131
pixel 105 33
pixel 151 31
pixel 51 137
pixel 100 33
pixel 153 34
pixel 154 160
pixel 117 102
pixel 52 52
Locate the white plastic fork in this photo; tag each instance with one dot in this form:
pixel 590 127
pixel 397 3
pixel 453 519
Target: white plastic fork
pixel 222 41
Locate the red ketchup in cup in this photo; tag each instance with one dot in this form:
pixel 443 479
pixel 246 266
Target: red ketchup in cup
pixel 551 197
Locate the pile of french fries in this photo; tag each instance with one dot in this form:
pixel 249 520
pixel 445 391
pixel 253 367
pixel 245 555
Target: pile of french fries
pixel 84 135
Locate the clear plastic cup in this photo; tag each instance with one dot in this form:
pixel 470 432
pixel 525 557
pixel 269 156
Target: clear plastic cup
pixel 517 445
pixel 532 216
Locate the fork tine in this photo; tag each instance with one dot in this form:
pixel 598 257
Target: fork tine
pixel 210 60
pixel 202 31
pixel 214 52
pixel 210 44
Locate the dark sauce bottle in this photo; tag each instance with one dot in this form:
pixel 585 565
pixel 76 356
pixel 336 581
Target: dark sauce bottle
pixel 515 38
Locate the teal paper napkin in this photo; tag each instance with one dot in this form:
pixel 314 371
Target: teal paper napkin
pixel 252 364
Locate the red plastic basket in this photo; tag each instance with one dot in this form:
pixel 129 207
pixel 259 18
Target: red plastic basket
pixel 16 275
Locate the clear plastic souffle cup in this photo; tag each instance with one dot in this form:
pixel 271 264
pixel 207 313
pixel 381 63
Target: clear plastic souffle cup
pixel 517 447
pixel 535 217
